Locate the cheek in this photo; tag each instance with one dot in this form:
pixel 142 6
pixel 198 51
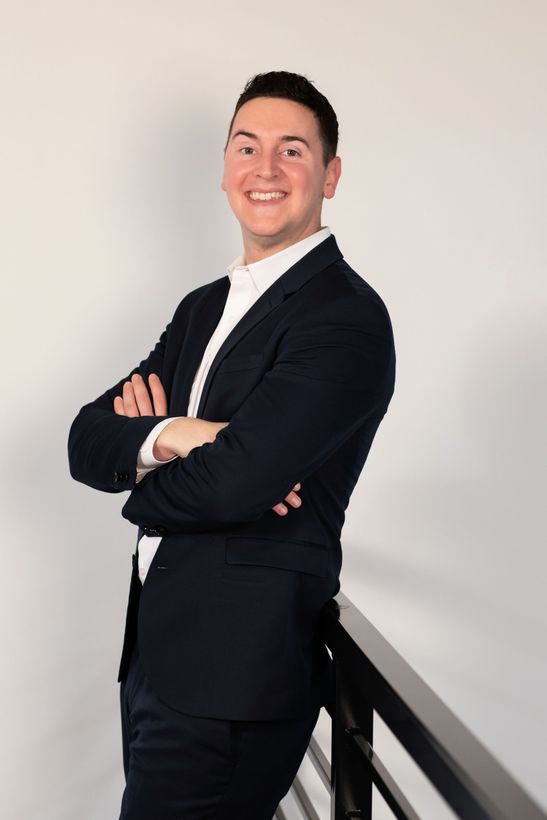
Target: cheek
pixel 302 181
pixel 232 176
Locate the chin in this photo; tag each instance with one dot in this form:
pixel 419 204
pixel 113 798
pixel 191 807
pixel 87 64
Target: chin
pixel 264 231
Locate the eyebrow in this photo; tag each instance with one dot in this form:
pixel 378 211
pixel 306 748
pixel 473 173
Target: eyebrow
pixel 284 138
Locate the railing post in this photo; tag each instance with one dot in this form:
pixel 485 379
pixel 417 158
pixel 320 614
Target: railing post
pixel 351 786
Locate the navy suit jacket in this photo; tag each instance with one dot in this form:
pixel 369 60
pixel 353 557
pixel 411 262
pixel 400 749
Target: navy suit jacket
pixel 227 617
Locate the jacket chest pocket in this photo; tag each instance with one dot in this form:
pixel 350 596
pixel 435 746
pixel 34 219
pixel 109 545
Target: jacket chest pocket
pixel 233 364
pixel 235 378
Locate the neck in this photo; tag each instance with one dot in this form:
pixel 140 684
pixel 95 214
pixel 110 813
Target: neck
pixel 256 248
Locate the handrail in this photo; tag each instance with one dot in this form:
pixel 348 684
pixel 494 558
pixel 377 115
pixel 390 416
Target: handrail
pixel 371 676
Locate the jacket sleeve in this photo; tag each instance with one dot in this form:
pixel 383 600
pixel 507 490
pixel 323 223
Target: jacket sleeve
pixel 103 446
pixel 329 377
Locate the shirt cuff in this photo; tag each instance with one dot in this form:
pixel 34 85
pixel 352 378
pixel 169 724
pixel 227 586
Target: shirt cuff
pixel 145 458
pixel 141 473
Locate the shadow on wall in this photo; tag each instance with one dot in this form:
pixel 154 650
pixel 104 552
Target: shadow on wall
pixel 469 538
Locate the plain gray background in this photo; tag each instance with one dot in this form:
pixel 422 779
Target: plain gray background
pixel 114 117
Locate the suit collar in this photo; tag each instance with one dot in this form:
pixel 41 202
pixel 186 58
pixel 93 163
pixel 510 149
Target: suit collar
pixel 319 258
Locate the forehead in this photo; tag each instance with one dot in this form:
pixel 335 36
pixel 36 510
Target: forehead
pixel 272 116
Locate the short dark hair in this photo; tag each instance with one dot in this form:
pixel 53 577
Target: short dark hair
pixel 289 86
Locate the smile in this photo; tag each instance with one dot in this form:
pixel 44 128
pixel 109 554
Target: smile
pixel 260 196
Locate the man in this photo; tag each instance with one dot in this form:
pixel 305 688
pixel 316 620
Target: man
pixel 267 386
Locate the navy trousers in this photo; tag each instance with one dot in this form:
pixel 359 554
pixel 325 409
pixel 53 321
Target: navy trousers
pixel 182 767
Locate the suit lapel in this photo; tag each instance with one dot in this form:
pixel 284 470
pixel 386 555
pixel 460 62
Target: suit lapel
pixel 320 257
pixel 203 320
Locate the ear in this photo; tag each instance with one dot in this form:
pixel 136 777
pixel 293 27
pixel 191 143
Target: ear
pixel 222 182
pixel 332 175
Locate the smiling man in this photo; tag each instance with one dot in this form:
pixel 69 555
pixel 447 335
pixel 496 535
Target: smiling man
pixel 276 173
pixel 267 386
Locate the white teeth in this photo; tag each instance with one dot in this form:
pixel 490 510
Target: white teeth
pixel 272 195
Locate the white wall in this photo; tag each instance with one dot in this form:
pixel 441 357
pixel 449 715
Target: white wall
pixel 114 117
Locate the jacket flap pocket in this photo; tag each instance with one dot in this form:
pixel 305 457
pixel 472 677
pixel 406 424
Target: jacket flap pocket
pixel 302 556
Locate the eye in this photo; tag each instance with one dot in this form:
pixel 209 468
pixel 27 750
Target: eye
pixel 246 148
pixel 295 153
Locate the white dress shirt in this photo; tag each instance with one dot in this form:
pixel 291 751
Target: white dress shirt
pixel 247 283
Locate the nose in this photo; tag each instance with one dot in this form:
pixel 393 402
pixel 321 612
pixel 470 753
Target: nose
pixel 267 165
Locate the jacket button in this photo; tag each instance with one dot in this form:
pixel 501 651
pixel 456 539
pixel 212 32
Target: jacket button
pixel 152 531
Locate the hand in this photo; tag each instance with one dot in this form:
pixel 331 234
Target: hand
pixel 293 499
pixel 136 401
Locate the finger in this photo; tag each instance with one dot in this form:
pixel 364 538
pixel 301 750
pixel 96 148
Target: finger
pixel 297 486
pixel 280 509
pixel 293 499
pixel 159 396
pixel 118 406
pixel 129 400
pixel 141 395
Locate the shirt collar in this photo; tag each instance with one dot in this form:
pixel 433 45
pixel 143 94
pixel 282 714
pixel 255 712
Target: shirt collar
pixel 266 271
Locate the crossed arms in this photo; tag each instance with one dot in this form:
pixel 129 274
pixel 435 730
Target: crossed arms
pixel 333 371
pixel 184 433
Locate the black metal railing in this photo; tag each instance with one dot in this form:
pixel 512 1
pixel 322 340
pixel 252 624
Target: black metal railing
pixel 371 676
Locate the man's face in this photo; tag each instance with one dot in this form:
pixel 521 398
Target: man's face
pixel 274 148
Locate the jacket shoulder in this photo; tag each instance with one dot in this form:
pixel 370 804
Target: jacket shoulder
pixel 191 299
pixel 339 291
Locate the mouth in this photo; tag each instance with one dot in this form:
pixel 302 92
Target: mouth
pixel 266 197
